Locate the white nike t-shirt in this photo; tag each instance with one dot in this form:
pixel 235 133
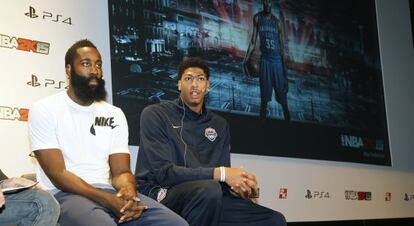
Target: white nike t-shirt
pixel 86 136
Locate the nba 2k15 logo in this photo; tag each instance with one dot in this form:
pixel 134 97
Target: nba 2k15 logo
pixel 283 192
pixel 24 44
pixel 358 142
pixel 14 113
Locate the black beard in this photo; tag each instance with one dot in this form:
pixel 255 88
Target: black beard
pixel 85 92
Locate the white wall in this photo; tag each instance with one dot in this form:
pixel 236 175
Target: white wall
pixel 89 20
pixel 397 54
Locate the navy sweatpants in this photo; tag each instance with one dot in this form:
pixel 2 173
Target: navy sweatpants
pixel 209 203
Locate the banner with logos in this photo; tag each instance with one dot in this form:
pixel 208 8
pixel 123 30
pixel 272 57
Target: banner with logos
pixel 34 37
pixel 306 190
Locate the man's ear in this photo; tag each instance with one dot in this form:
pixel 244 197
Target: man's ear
pixel 67 70
pixel 179 85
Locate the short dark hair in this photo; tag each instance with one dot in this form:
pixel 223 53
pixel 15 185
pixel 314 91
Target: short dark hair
pixel 71 53
pixel 192 62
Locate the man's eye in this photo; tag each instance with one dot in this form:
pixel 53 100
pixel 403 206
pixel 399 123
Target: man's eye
pixel 86 64
pixel 99 65
pixel 188 79
pixel 201 79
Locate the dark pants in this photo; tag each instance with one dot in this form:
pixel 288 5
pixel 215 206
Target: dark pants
pixel 80 211
pixel 273 78
pixel 209 203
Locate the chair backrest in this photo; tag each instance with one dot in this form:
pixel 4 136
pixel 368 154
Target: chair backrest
pixel 2 176
pixel 30 176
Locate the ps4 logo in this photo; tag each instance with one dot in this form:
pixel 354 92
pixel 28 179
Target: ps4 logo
pixel 316 194
pixel 47 82
pixel 48 16
pixel 408 197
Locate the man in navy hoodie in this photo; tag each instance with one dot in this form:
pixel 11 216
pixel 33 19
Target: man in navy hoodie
pixel 184 159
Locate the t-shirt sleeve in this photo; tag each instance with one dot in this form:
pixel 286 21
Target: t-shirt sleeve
pixel 42 129
pixel 119 143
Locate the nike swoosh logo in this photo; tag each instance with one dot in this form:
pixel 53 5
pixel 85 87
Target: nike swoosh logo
pixel 92 130
pixel 176 127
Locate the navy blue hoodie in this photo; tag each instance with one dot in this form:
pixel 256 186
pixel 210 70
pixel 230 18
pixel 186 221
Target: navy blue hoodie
pixel 178 145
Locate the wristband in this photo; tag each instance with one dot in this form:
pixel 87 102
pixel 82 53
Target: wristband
pixel 222 174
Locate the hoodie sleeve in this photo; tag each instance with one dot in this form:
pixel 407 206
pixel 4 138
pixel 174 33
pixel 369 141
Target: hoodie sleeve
pixel 156 153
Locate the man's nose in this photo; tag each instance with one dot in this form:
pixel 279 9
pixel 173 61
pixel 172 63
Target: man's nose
pixel 194 83
pixel 96 70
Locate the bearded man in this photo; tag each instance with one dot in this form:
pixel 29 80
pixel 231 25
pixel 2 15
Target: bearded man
pixel 81 144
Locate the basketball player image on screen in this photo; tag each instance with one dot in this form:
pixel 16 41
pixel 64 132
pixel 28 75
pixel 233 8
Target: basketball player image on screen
pixel 271 73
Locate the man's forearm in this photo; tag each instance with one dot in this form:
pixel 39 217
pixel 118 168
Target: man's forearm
pixel 71 183
pixel 174 174
pixel 53 164
pixel 124 180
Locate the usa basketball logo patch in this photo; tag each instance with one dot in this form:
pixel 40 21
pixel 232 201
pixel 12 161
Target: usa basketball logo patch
pixel 210 133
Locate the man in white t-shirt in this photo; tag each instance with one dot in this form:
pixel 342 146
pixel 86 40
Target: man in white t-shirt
pixel 81 144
